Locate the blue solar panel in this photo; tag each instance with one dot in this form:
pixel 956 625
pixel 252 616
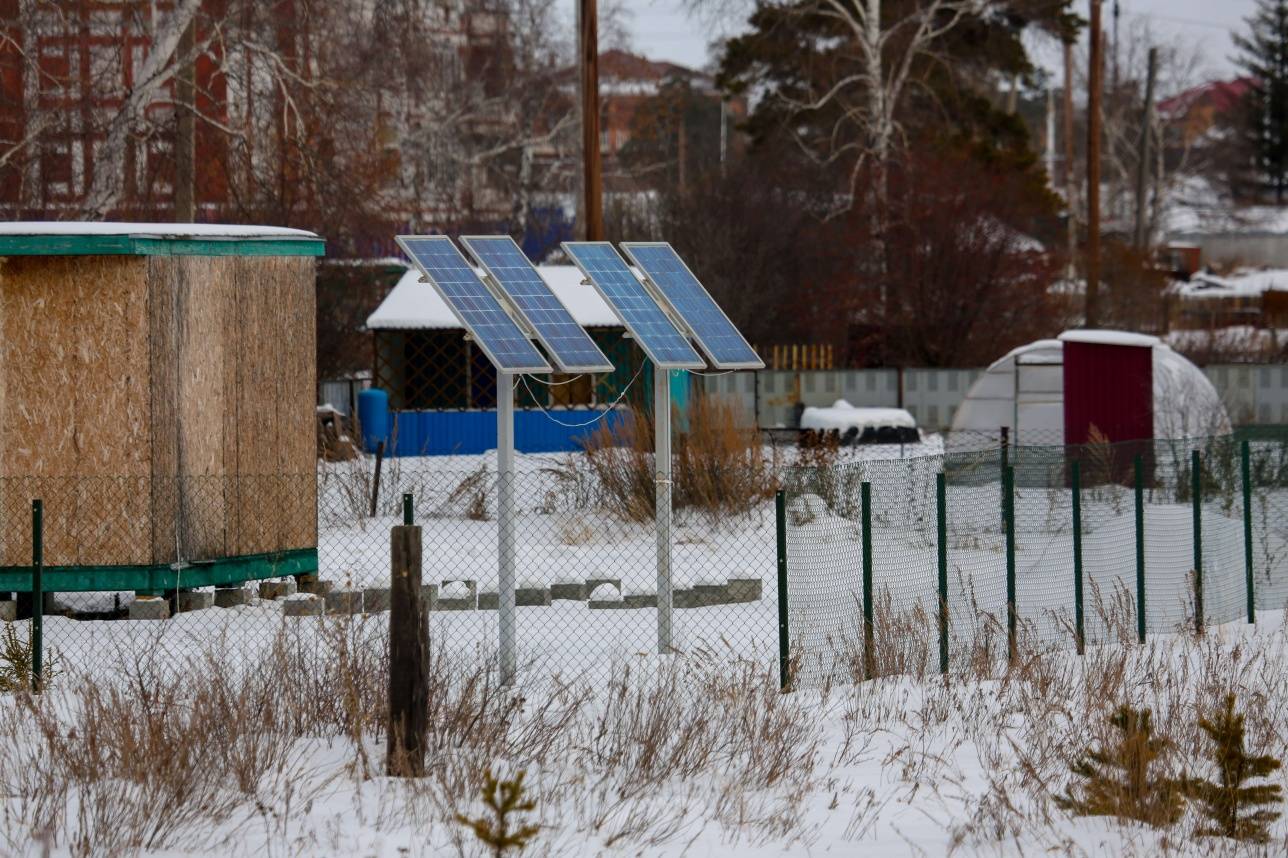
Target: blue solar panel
pixel 691 303
pixel 665 346
pixel 496 333
pixel 564 339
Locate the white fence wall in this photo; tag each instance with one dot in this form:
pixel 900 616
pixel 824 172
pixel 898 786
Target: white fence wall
pixel 1253 393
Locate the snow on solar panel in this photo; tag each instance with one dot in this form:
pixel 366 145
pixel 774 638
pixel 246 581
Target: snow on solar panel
pixel 480 313
pixel 665 346
pixel 688 300
pixel 564 339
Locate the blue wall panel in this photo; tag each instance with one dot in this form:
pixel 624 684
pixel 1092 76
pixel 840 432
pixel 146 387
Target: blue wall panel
pixel 446 433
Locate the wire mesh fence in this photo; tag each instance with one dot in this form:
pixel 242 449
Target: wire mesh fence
pixel 1015 547
pixel 1000 550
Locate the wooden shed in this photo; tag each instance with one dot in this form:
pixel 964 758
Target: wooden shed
pixel 157 394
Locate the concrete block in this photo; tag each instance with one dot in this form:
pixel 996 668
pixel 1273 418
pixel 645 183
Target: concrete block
pixel 458 602
pixel 346 602
pixel 489 601
pixel 429 597
pixel 592 583
pixel 375 599
pixel 195 600
pixel 231 597
pixel 310 607
pixel 314 586
pixel 744 589
pixel 685 599
pixel 640 600
pixel 530 597
pixel 712 594
pixel 573 592
pixel 277 589
pixel 615 605
pixel 8 611
pixel 150 608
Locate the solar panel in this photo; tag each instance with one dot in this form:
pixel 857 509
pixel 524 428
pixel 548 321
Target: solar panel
pixel 689 301
pixel 496 333
pixel 564 339
pixel 665 346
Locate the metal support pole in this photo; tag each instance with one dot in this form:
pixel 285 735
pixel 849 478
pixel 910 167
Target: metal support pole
pixel 869 660
pixel 1079 615
pixel 941 505
pixel 1246 457
pixel 37 592
pixel 1140 548
pixel 1008 498
pixel 505 521
pixel 1196 493
pixel 662 420
pixel 784 638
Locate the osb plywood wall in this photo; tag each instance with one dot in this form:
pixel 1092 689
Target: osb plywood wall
pixel 156 404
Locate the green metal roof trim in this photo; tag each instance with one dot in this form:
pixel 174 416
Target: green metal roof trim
pixel 94 239
pixel 221 572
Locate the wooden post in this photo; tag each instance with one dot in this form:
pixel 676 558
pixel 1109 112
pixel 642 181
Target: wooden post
pixel 592 167
pixel 408 658
pixel 1070 175
pixel 185 146
pixel 375 483
pixel 1093 168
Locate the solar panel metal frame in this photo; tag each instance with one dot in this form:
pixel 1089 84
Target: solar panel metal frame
pixel 481 342
pixel 499 283
pixel 660 295
pixel 662 308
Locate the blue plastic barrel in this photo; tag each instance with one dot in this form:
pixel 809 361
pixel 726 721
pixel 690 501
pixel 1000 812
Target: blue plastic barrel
pixel 373 414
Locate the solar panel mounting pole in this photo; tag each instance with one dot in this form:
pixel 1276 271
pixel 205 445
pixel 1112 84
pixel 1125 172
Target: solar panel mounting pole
pixel 505 521
pixel 662 456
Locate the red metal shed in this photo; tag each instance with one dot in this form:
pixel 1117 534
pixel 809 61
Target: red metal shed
pixel 1108 384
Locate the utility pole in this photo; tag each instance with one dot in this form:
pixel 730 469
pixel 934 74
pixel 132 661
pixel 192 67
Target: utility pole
pixel 185 136
pixel 592 167
pixel 1142 165
pixel 1070 175
pixel 1094 73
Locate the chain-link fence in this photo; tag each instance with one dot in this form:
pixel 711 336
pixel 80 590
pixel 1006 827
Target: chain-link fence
pixel 991 551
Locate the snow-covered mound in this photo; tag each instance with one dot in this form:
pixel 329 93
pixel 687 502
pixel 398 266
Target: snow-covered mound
pixel 843 416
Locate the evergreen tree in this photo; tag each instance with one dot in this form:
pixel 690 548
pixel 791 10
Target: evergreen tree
pixel 1263 56
pixel 504 799
pixel 1226 802
pixel 1119 779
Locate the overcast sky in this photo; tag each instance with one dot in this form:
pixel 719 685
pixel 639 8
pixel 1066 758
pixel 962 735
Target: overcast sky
pixel 660 28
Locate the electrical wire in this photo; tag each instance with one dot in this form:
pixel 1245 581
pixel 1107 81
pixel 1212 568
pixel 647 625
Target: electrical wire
pixel 524 378
pixel 556 383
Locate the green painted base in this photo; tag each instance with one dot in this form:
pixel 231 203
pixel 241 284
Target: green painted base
pixel 158 579
pixel 133 245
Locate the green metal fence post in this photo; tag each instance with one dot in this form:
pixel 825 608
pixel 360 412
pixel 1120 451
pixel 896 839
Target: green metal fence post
pixel 37 592
pixel 1196 493
pixel 941 502
pixel 1140 548
pixel 784 664
pixel 407 510
pixel 1079 618
pixel 1246 457
pixel 869 660
pixel 1008 488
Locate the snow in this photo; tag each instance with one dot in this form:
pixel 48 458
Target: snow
pixel 843 416
pixel 151 230
pixel 415 305
pixel 1109 338
pixel 1243 283
pixel 455 590
pixel 606 593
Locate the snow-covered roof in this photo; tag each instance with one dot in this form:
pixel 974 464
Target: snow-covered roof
pixel 1109 338
pixel 1246 283
pixel 843 416
pixel 151 230
pixel 413 304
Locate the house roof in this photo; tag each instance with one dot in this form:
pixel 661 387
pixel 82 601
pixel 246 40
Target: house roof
pixel 1220 96
pixel 414 305
pixel 75 238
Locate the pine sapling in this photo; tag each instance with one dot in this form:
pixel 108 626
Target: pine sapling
pixel 1121 779
pixel 1228 803
pixel 503 799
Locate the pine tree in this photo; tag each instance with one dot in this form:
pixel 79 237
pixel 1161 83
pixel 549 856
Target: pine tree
pixel 503 798
pixel 1119 780
pixel 1263 56
pixel 1225 803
